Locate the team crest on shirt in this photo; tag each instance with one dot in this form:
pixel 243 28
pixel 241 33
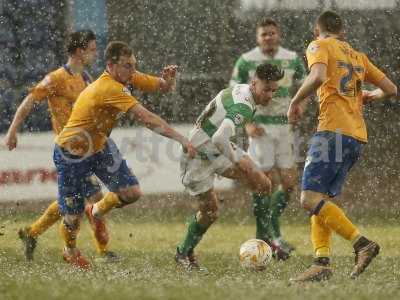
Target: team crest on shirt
pixel 238 119
pixel 69 201
pixel 313 48
pixel 308 161
pixel 285 64
pixel 126 91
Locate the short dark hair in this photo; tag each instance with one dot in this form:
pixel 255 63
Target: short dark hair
pixel 269 72
pixel 79 39
pixel 331 22
pixel 115 50
pixel 267 22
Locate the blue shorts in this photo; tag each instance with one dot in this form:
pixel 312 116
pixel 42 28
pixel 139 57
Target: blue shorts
pixel 92 186
pixel 330 157
pixel 74 173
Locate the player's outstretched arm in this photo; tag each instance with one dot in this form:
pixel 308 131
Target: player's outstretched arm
pixel 158 125
pixel 386 89
pixel 312 82
pixel 22 113
pixel 153 84
pixel 221 139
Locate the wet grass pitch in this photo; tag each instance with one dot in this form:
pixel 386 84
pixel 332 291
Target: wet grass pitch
pixel 148 270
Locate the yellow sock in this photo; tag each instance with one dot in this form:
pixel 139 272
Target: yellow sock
pixel 106 204
pixel 101 248
pixel 320 237
pixel 68 235
pixel 334 217
pixel 46 220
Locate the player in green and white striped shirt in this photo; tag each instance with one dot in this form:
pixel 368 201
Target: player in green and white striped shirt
pixel 271 137
pixel 231 109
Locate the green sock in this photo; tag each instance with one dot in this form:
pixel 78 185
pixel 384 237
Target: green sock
pixel 279 201
pixel 263 216
pixel 193 236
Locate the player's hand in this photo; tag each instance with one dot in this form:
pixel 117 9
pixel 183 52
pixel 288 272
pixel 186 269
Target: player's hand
pixel 254 131
pixel 294 113
pixel 368 96
pixel 169 78
pixel 11 141
pixel 190 150
pixel 169 72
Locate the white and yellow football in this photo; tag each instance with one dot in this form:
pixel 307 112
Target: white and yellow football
pixel 255 254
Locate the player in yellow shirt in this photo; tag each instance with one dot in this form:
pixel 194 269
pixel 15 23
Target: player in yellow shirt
pixel 337 71
pixel 61 89
pixel 83 148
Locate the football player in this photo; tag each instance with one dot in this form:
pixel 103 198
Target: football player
pixel 337 72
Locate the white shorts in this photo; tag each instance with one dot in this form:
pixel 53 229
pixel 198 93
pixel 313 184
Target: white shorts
pixel 198 174
pixel 273 149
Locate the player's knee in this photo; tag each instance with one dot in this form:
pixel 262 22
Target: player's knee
pixel 304 202
pixel 208 208
pixel 288 179
pixel 310 200
pixel 96 197
pixel 72 222
pixel 288 184
pixel 129 195
pixel 262 185
pixel 208 216
pixel 213 215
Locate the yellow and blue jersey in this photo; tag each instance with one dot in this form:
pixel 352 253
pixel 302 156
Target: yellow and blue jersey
pixel 60 88
pixel 97 110
pixel 340 96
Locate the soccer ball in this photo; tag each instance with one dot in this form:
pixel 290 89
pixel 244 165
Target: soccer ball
pixel 255 254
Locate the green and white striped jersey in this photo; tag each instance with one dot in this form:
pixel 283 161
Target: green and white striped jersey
pixel 235 103
pixel 245 68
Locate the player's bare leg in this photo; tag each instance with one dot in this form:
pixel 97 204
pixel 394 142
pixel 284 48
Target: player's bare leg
pixel 247 173
pixel 97 211
pixel 258 182
pixel 206 215
pixel 52 214
pixel 244 171
pixel 118 199
pixel 100 233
